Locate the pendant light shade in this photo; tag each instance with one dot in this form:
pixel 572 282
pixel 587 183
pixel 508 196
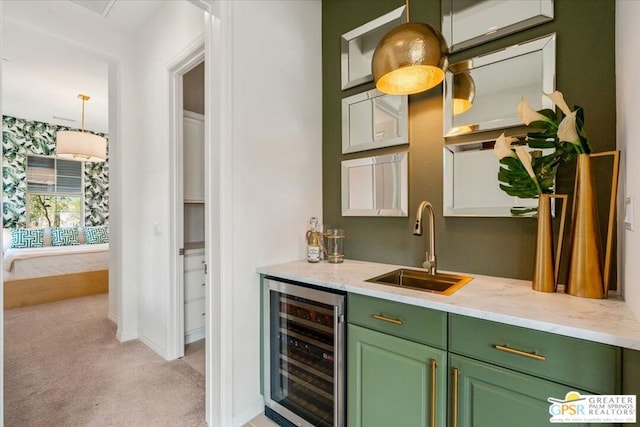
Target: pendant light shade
pixel 464 91
pixel 410 58
pixel 80 145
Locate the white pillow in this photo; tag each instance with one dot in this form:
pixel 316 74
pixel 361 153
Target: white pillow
pixel 47 236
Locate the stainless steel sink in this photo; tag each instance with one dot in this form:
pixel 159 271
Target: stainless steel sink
pixel 439 283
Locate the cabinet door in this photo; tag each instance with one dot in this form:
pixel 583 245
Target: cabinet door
pixel 393 381
pixel 490 396
pixel 193 154
pixel 193 315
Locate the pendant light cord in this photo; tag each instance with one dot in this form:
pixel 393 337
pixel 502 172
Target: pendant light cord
pixel 84 98
pixel 407 4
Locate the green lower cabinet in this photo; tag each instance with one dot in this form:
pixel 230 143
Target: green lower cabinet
pixel 490 396
pixel 394 382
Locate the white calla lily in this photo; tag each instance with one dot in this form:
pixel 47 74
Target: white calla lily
pixel 525 158
pixel 528 114
pixel 502 147
pixel 567 131
pixel 558 99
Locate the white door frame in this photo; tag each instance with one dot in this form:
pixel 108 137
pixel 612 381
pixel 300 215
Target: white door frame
pixel 218 212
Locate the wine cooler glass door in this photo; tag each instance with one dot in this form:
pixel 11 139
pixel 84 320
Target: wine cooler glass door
pixel 304 359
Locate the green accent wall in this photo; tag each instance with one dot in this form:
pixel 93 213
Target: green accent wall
pixel 585 73
pixel 21 138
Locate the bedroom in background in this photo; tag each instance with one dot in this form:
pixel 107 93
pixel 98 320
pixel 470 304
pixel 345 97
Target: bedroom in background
pixel 55 211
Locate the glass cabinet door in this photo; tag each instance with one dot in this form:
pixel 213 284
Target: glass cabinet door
pixel 303 357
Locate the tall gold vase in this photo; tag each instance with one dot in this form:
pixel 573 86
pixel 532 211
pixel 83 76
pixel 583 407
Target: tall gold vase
pixel 588 274
pixel 546 266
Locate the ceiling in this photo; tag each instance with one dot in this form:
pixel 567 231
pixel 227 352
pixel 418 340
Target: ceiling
pixel 42 74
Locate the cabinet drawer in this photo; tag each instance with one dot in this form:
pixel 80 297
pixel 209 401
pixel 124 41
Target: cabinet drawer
pixel 194 262
pixel 402 320
pixel 584 364
pixel 193 285
pixel 194 314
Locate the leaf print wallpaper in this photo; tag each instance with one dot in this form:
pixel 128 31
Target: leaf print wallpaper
pixel 21 138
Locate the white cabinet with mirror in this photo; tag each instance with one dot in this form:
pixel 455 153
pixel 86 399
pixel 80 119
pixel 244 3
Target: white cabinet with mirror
pixel 376 186
pixel 373 120
pixel 358 45
pixel 501 79
pixel 471 186
pixel 467 23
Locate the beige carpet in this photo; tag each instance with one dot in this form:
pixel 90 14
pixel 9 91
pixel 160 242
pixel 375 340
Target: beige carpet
pixel 64 367
pixel 194 356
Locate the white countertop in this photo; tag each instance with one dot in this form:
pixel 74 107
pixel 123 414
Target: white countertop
pixel 509 301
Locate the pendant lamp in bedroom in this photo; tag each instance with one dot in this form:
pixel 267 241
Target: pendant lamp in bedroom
pixel 80 145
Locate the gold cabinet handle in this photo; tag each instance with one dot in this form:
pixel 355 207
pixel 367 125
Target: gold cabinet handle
pixel 387 319
pixel 433 393
pixel 454 397
pixel 202 285
pixel 531 355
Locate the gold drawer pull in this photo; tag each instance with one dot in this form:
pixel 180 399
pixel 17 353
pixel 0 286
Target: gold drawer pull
pixel 202 285
pixel 455 373
pixel 432 402
pixel 387 319
pixel 532 355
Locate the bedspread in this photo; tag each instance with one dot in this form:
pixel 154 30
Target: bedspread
pixel 13 254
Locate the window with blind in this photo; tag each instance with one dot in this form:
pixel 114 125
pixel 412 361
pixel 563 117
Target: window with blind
pixel 54 192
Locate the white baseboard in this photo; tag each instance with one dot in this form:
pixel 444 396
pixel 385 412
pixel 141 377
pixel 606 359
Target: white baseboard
pixel 195 335
pixel 248 414
pixel 161 351
pixel 133 335
pixel 111 316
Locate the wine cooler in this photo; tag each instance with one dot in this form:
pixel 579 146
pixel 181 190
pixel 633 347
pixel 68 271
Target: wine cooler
pixel 304 355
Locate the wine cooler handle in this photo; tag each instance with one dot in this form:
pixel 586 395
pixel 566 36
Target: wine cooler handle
pixel 433 393
pixel 454 398
pixel 387 319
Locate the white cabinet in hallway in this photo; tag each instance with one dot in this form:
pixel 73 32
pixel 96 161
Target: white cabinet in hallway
pixel 193 157
pixel 194 290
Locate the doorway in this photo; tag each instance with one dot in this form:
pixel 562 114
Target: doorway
pixel 188 225
pixel 193 241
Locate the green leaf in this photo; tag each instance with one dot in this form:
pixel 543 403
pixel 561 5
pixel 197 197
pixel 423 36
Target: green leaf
pixel 519 211
pixel 550 114
pixel 541 143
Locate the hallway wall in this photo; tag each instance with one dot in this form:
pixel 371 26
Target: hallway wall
pixel 277 161
pixel 170 31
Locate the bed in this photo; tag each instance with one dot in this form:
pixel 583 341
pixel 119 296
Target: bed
pixel 52 273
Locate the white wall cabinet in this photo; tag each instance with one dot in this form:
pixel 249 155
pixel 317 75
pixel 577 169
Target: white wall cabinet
pixel 193 155
pixel 194 290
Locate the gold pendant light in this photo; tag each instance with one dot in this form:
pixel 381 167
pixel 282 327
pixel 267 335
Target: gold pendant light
pixel 80 145
pixel 464 87
pixel 410 58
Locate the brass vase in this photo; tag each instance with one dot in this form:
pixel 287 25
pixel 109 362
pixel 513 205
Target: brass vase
pixel 546 267
pixel 588 272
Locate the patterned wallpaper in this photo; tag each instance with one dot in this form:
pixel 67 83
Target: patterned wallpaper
pixel 22 137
